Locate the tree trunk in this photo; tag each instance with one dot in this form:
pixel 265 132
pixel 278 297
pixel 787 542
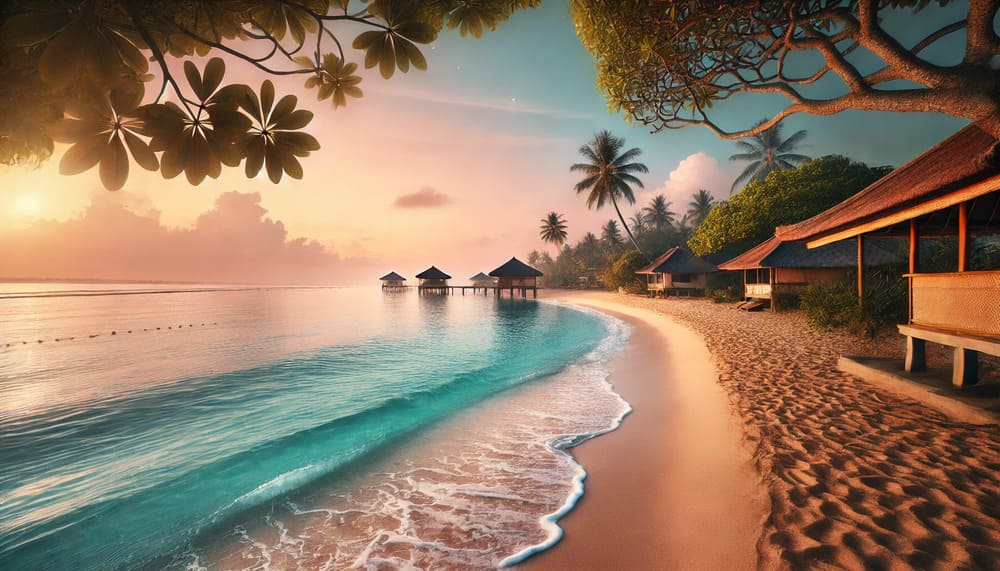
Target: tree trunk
pixel 624 225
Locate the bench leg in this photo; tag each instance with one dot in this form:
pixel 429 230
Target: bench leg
pixel 965 370
pixel 916 355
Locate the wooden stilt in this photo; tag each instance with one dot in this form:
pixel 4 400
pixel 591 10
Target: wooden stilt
pixel 963 236
pixel 861 269
pixel 916 355
pixel 965 369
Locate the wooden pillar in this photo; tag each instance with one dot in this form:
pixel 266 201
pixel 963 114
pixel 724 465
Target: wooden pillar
pixel 745 297
pixel 965 369
pixel 914 268
pixel 963 236
pixel 861 269
pixel 916 355
pixel 770 281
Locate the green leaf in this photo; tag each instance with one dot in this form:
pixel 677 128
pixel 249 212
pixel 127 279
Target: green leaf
pixel 419 32
pixel 284 107
pixel 387 65
pixel 103 60
pixel 266 99
pixel 215 70
pixel 297 119
pixel 194 79
pixel 82 156
pixel 114 165
pixel 253 148
pixel 197 160
pixel 273 164
pixel 72 130
pixel 129 53
pixel 141 152
pixel 300 143
pixel 64 57
pixel 297 30
pixel 406 51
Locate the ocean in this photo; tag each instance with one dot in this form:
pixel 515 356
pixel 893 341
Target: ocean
pixel 207 427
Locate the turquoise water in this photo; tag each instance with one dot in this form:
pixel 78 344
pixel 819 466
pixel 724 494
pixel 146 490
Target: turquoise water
pixel 116 453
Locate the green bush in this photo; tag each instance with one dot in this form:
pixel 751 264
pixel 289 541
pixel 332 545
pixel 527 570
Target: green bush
pixel 836 305
pixel 622 274
pixel 783 301
pixel 724 295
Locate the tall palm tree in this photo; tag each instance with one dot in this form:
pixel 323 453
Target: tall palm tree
pixel 637 223
pixel 658 214
pixel 611 235
pixel 553 229
pixel 767 152
pixel 701 202
pixel 608 174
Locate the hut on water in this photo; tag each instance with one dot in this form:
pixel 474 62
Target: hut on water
pixel 392 280
pixel 676 270
pixel 481 280
pixel 433 278
pixel 774 268
pixel 516 275
pixel 951 191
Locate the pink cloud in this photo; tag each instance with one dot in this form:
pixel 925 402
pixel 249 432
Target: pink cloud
pixel 696 172
pixel 234 242
pixel 426 197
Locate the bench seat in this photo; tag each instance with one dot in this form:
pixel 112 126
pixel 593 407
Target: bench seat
pixel 965 369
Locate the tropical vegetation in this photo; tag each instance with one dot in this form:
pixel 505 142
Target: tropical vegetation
pixel 553 229
pixel 767 152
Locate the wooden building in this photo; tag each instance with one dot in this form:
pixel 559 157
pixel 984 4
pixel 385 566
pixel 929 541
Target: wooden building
pixel 481 280
pixel 515 275
pixel 953 191
pixel 675 271
pixel 433 280
pixel 392 281
pixel 775 267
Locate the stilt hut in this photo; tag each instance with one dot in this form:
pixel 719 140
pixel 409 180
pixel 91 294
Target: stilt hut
pixel 392 281
pixel 675 271
pixel 481 281
pixel 515 275
pixel 433 280
pixel 953 191
pixel 774 268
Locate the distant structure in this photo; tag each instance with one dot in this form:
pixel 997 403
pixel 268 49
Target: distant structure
pixel 393 281
pixel 515 275
pixel 951 190
pixel 433 280
pixel 481 281
pixel 677 270
pixel 774 267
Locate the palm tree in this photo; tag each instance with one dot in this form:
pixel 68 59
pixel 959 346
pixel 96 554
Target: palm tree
pixel 608 174
pixel 701 202
pixel 767 152
pixel 611 235
pixel 553 229
pixel 684 228
pixel 637 223
pixel 658 214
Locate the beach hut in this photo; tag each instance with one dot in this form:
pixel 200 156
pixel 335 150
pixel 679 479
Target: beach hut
pixel 675 271
pixel 951 190
pixel 481 280
pixel 392 280
pixel 433 280
pixel 516 275
pixel 774 267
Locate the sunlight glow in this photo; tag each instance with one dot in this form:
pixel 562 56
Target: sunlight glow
pixel 27 206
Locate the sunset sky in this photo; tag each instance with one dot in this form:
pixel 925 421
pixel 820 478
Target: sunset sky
pixel 454 166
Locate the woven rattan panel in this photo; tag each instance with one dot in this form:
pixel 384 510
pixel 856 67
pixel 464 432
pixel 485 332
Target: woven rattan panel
pixel 967 301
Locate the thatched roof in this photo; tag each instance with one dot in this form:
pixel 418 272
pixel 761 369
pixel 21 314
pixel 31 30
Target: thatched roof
pixel 515 268
pixel 678 261
pixel 481 277
pixel 432 273
pixel 393 277
pixel 775 253
pixel 967 157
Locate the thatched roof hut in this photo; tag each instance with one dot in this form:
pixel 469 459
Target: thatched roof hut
pixel 481 279
pixel 676 269
pixel 392 279
pixel 433 278
pixel 515 273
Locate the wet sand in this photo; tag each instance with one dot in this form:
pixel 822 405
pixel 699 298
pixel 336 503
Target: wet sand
pixel 674 487
pixel 855 477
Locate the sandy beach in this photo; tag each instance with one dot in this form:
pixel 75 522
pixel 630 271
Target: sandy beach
pixel 749 449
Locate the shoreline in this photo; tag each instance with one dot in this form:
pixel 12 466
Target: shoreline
pixel 673 487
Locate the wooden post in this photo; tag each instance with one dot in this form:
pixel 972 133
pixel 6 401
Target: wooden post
pixel 914 268
pixel 861 269
pixel 963 236
pixel 916 355
pixel 965 369
pixel 745 297
pixel 770 282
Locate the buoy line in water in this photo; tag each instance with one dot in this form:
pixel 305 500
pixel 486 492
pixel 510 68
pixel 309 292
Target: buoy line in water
pixel 113 333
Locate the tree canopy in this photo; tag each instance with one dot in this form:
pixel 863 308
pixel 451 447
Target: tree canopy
pixel 784 197
pixel 77 71
pixel 667 64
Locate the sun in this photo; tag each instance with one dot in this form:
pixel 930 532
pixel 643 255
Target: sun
pixel 27 206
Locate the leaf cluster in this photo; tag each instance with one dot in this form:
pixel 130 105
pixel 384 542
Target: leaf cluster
pixel 78 70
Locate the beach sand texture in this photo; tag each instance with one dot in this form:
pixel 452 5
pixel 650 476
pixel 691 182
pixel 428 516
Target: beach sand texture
pixel 856 478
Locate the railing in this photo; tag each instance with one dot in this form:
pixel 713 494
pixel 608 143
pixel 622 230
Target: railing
pixel 758 290
pixel 965 302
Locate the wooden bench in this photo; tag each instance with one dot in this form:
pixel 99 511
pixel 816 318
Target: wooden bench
pixel 965 369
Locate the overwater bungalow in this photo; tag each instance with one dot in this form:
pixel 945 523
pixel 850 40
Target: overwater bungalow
pixel 775 268
pixel 515 275
pixel 433 280
pixel 392 280
pixel 953 191
pixel 481 280
pixel 677 270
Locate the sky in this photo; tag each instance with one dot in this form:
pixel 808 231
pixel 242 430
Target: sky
pixel 454 166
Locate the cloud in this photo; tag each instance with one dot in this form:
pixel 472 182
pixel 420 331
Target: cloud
pixel 234 242
pixel 426 197
pixel 693 173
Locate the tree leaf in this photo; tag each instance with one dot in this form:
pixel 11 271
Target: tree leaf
pixel 266 99
pixel 274 165
pixel 68 130
pixel 300 143
pixel 197 160
pixel 253 149
pixel 215 70
pixel 82 156
pixel 129 53
pixel 114 165
pixel 33 28
pixel 194 79
pixel 284 107
pixel 387 64
pixel 141 152
pixel 103 59
pixel 419 32
pixel 63 58
pixel 297 119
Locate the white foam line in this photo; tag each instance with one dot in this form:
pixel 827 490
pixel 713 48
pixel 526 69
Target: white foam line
pixel 560 444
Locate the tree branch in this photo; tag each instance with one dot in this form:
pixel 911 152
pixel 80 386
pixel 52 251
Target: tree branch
pixel 981 40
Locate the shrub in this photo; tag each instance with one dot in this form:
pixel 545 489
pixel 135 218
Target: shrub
pixel 621 274
pixel 836 305
pixel 724 295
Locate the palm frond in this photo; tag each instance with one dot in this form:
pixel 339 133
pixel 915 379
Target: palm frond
pixel 791 142
pixel 748 173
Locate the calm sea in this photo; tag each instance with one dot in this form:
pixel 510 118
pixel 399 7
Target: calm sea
pixel 195 427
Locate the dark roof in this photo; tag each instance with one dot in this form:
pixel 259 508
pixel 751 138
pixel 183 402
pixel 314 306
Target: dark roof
pixel 775 253
pixel 678 261
pixel 966 157
pixel 481 277
pixel 433 273
pixel 515 268
pixel 393 276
